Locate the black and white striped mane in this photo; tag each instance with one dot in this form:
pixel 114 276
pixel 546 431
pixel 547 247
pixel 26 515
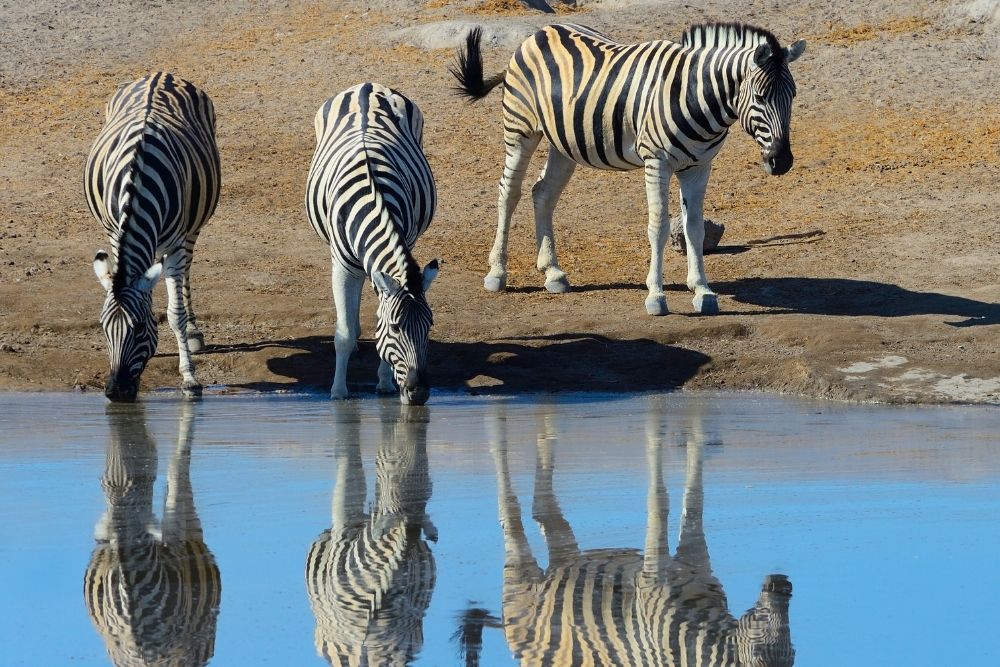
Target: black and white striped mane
pixel 730 34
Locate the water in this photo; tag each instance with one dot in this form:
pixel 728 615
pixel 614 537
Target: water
pixel 883 521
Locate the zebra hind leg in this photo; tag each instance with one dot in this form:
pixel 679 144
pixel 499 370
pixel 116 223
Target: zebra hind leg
pixel 196 339
pixel 176 267
pixel 545 195
pixel 519 150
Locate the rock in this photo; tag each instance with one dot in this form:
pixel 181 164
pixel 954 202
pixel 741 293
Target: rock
pixel 713 234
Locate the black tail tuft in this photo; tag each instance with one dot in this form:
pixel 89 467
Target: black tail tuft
pixel 468 69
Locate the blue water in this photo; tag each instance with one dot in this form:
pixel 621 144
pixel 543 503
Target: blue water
pixel 885 520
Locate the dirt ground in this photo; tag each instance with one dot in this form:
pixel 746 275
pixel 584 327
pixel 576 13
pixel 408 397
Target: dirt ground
pixel 870 272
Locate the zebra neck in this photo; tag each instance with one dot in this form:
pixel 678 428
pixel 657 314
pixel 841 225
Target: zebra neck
pixel 723 71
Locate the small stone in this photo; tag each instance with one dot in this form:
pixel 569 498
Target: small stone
pixel 7 347
pixel 713 234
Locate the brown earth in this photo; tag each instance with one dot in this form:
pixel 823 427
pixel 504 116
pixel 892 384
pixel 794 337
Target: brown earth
pixel 870 272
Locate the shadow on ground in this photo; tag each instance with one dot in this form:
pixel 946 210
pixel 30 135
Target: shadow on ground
pixel 565 362
pixel 842 296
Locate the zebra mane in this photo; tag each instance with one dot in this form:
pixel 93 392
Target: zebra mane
pixel 127 199
pixel 730 34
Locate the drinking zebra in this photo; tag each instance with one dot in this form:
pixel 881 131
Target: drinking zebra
pixel 622 606
pixel 371 575
pixel 370 195
pixel 663 106
pixel 152 179
pixel 152 589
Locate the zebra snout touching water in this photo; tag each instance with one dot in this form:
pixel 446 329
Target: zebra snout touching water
pixel 152 180
pixel 370 576
pixel 370 195
pixel 662 106
pixel 152 587
pixel 623 607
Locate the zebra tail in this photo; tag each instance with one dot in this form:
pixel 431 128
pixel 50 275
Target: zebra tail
pixel 468 69
pixel 469 635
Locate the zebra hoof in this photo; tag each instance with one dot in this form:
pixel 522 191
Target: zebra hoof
pixel 338 395
pixel 558 286
pixel 706 304
pixel 494 284
pixel 191 389
pixel 196 342
pixel 656 305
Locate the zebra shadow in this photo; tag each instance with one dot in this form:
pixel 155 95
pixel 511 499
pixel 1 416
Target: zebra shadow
pixel 854 298
pixel 370 575
pixel 152 588
pixel 559 362
pixel 622 606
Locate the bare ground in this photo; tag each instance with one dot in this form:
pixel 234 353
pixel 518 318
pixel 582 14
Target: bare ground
pixel 870 272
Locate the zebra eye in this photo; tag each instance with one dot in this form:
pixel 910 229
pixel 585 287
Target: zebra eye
pixel 394 328
pixel 758 98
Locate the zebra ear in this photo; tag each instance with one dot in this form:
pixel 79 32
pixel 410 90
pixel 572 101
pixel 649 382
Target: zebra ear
pixel 102 267
pixel 385 283
pixel 430 272
pixel 762 55
pixel 793 52
pixel 150 278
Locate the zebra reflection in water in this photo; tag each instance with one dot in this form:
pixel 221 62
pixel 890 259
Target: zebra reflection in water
pixel 622 606
pixel 152 588
pixel 370 576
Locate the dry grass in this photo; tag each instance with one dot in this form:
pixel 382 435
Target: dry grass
pixel 841 35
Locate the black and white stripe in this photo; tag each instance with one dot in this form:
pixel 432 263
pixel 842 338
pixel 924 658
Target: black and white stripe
pixel 664 106
pixel 152 588
pixel 152 179
pixel 370 195
pixel 371 575
pixel 624 606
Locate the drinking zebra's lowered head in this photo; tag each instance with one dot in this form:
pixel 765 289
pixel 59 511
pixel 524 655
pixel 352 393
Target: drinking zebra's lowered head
pixel 664 106
pixel 152 180
pixel 370 195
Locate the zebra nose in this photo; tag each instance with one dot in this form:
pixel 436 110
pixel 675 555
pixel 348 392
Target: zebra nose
pixel 416 389
pixel 118 389
pixel 778 161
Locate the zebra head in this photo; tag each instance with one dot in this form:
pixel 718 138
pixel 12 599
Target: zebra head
pixel 765 103
pixel 129 327
pixel 763 637
pixel 402 332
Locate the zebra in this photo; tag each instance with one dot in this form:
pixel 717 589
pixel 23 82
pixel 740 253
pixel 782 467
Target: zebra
pixel 152 180
pixel 623 606
pixel 663 106
pixel 370 194
pixel 152 589
pixel 371 575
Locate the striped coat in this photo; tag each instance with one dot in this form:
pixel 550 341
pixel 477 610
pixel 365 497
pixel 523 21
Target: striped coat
pixel 663 106
pixel 625 607
pixel 370 195
pixel 152 179
pixel 152 588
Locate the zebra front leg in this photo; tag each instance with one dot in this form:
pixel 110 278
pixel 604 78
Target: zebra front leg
pixel 545 195
pixel 693 183
pixel 175 266
pixel 347 301
pixel 386 382
pixel 658 228
pixel 519 150
pixel 196 339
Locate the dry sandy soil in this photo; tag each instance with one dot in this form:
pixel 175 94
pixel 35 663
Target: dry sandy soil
pixel 869 272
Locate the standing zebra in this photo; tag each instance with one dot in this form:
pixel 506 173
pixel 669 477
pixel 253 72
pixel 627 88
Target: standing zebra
pixel 152 179
pixel 370 576
pixel 152 589
pixel 370 195
pixel 624 607
pixel 663 106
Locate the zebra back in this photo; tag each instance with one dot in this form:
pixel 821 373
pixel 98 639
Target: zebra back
pixel 370 577
pixel 370 192
pixel 152 177
pixel 152 593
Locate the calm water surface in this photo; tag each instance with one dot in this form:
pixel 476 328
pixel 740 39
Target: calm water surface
pixel 534 531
